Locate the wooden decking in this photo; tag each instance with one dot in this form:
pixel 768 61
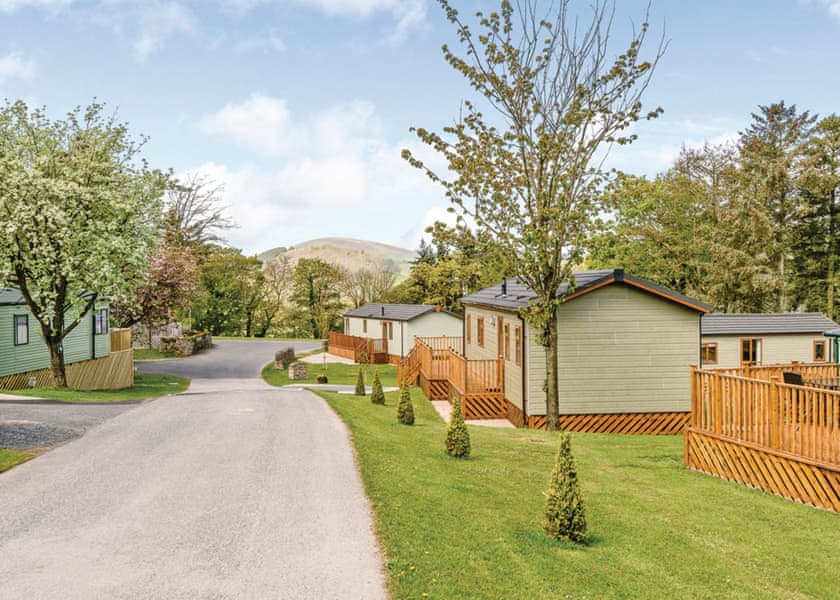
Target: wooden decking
pixel 358 349
pixel 748 426
pixel 440 369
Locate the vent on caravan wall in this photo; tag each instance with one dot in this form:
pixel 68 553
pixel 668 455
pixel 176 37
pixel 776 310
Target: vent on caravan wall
pixel 504 287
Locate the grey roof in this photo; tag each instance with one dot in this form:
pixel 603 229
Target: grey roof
pixel 10 295
pixel 391 312
pixel 519 295
pixel 758 323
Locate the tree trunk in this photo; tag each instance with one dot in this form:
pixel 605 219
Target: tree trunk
pixel 552 403
pixel 57 363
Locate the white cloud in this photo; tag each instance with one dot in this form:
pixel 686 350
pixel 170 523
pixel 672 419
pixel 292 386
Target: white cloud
pixel 335 172
pixel 16 65
pixel 407 14
pixel 156 23
pixel 267 43
pixel 9 6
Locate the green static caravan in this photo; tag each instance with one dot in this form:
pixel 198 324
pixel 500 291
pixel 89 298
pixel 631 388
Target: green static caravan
pixel 22 347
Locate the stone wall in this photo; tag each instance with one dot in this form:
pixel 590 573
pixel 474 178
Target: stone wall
pixel 186 345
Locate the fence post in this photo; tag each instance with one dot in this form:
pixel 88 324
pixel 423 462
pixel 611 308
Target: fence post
pixel 500 374
pixel 773 412
pixel 693 416
pixel 717 403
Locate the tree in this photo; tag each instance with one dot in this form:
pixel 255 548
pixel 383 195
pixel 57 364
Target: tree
pixel 170 282
pixel 277 278
pixel 405 409
pixel 457 440
pixel 377 396
pixel 364 285
pixel 532 177
pixel 360 383
pixel 194 214
pixel 315 290
pixel 78 214
pixel 772 152
pixel 817 245
pixel 565 517
pixel 231 285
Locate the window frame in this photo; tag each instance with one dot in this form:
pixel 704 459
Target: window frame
pixel 364 325
pixel 507 341
pixel 517 334
pixel 705 346
pixel 468 325
pixel 390 331
pixel 756 344
pixel 479 334
pixel 16 328
pixel 100 321
pixel 824 344
pixel 346 324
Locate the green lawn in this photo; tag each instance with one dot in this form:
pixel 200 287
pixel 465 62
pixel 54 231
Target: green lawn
pixel 145 386
pixel 242 338
pixel 336 373
pixel 473 529
pixel 152 354
pixel 10 458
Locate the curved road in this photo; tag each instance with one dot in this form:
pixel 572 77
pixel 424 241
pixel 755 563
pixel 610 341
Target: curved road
pixel 231 490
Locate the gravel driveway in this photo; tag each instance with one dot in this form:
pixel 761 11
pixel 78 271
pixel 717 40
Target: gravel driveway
pixel 231 490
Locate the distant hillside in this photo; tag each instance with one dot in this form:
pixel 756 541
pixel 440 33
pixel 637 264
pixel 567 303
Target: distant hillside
pixel 351 254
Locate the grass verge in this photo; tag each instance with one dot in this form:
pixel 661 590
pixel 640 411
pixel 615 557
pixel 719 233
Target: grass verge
pixel 337 373
pixel 10 458
pixel 146 385
pixel 473 528
pixel 152 354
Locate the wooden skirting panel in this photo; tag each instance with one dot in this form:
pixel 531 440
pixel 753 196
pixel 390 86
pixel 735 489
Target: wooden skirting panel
pixel 434 389
pixel 514 414
pixel 670 423
pixel 804 481
pixel 112 372
pixel 342 352
pixel 484 406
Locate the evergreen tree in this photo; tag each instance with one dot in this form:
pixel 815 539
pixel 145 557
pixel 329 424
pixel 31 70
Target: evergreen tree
pixel 405 409
pixel 377 396
pixel 457 436
pixel 565 517
pixel 360 383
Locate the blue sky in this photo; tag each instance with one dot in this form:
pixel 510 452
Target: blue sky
pixel 301 107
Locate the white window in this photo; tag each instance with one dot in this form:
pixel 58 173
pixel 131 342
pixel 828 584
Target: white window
pixel 21 330
pixel 100 321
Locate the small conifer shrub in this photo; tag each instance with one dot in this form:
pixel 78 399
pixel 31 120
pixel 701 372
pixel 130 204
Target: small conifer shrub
pixel 457 436
pixel 322 378
pixel 377 396
pixel 564 512
pixel 360 383
pixel 405 409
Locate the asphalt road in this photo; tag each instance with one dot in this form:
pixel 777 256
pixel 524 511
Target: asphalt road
pixel 230 490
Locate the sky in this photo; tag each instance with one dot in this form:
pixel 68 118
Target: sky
pixel 301 108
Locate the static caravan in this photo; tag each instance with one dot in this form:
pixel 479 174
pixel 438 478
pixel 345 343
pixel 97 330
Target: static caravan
pixel 398 324
pixel 23 350
pixel 625 348
pixel 733 340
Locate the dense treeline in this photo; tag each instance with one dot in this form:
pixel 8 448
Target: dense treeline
pixel 750 226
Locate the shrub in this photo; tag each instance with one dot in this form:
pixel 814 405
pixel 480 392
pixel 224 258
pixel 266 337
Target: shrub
pixel 322 378
pixel 405 409
pixel 283 358
pixel 457 436
pixel 564 512
pixel 377 396
pixel 360 383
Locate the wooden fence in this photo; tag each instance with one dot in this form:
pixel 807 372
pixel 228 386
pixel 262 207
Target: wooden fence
pixel 358 349
pixel 112 372
pixel 814 371
pixel 778 437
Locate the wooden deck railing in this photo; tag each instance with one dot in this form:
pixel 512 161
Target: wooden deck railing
pixel 120 340
pixel 475 376
pixel 357 348
pixel 797 420
pixel 456 343
pixel 814 371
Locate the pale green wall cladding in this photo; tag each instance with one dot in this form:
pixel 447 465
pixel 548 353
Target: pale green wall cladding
pixel 623 350
pixel 35 355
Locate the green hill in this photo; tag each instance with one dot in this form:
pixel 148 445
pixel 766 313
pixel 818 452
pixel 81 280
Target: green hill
pixel 353 255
